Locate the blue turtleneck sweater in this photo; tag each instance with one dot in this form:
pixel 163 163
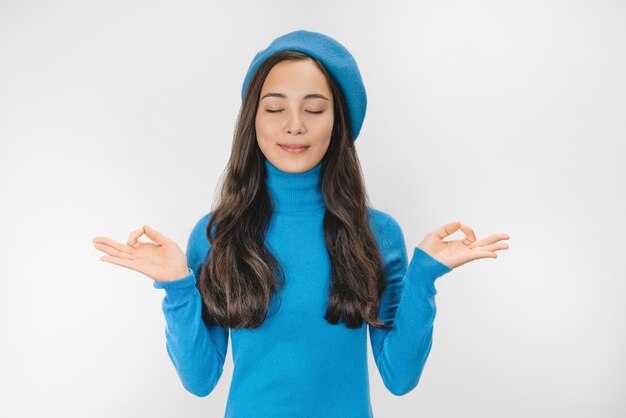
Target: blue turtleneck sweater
pixel 297 364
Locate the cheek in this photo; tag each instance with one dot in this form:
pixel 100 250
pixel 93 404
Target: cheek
pixel 263 128
pixel 326 127
pixel 268 122
pixel 322 135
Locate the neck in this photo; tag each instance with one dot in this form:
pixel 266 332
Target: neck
pixel 294 192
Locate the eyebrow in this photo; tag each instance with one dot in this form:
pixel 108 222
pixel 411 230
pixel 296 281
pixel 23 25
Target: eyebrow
pixel 308 96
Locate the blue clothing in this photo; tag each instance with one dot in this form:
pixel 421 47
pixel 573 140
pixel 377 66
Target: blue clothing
pixel 297 364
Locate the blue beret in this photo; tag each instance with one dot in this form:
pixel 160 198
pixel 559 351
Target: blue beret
pixel 334 56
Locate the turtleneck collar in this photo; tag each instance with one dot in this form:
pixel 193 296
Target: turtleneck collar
pixel 294 192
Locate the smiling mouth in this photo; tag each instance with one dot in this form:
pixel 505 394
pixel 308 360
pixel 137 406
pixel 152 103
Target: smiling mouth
pixel 293 148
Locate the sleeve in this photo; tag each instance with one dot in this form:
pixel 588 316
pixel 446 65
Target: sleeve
pixel 196 350
pixel 408 306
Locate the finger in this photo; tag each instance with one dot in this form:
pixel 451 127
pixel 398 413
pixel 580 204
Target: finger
pixel 134 236
pixel 112 251
pixel 115 244
pixel 494 247
pixel 447 229
pixel 469 234
pixel 489 240
pixel 475 255
pixel 129 264
pixel 155 235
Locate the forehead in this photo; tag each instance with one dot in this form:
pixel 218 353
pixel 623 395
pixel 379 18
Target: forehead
pixel 296 77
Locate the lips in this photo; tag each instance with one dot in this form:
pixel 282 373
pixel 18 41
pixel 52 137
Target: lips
pixel 293 148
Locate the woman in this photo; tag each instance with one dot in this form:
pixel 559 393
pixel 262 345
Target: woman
pixel 293 263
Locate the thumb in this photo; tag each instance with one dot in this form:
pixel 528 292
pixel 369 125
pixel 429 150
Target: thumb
pixel 447 229
pixel 155 235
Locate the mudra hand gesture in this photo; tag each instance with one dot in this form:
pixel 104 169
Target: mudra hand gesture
pixel 458 252
pixel 162 262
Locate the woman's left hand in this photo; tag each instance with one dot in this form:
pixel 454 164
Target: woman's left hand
pixel 458 252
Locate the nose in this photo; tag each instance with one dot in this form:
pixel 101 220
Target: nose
pixel 294 124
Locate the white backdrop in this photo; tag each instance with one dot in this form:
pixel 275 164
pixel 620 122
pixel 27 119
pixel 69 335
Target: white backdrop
pixel 507 116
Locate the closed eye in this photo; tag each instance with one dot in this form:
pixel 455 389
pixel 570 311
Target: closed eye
pixel 310 111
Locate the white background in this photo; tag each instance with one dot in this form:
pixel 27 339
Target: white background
pixel 507 116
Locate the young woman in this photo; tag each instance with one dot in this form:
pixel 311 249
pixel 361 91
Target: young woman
pixel 293 263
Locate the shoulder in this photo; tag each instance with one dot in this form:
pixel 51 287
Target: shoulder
pixel 199 229
pixel 383 222
pixel 198 243
pixel 202 223
pixel 387 230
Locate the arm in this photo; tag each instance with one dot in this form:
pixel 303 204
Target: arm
pixel 197 351
pixel 408 305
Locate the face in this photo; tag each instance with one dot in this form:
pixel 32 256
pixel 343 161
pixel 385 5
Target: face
pixel 294 119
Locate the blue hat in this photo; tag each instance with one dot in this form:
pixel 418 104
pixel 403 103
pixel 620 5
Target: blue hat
pixel 334 56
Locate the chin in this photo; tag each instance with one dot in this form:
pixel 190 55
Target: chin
pixel 294 166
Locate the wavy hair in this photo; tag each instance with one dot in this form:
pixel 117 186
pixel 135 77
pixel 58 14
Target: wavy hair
pixel 241 276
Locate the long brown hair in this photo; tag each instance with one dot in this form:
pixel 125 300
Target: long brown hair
pixel 241 276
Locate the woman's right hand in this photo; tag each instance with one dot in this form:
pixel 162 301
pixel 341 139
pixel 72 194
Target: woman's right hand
pixel 162 262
